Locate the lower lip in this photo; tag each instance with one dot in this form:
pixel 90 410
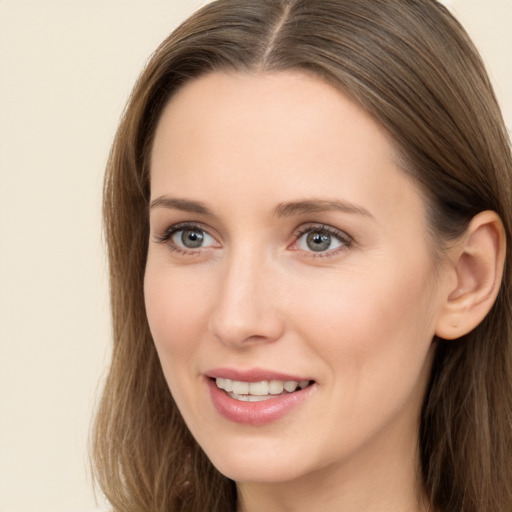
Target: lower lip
pixel 256 413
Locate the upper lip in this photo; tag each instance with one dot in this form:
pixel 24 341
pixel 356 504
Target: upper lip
pixel 253 375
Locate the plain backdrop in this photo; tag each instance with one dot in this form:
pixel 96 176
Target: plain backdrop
pixel 66 69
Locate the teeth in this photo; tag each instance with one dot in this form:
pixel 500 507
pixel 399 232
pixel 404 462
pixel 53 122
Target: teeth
pixel 258 388
pixel 250 398
pixel 262 390
pixel 275 387
pixel 291 385
pixel 240 388
pixel 225 384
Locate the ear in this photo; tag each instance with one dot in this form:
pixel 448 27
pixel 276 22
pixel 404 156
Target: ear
pixel 477 262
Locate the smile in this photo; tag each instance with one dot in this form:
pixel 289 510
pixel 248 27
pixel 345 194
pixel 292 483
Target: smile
pixel 257 396
pixel 259 391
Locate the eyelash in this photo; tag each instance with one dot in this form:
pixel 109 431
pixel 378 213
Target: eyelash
pixel 165 237
pixel 345 240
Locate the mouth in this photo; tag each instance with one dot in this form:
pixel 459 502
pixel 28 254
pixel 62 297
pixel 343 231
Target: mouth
pixel 261 390
pixel 257 397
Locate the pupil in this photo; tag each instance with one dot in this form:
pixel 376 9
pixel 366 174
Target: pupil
pixel 192 239
pixel 318 241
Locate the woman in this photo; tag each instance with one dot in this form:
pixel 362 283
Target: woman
pixel 308 206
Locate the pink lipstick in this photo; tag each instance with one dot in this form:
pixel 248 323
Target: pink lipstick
pixel 257 396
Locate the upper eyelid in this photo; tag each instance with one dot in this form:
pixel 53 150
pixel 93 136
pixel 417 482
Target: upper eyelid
pixel 305 228
pixel 299 230
pixel 173 228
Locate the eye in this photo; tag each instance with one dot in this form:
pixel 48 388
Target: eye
pixel 192 238
pixel 321 239
pixel 186 237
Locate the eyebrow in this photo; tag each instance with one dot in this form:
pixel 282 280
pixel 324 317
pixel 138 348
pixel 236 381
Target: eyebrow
pixel 318 206
pixel 175 203
pixel 288 209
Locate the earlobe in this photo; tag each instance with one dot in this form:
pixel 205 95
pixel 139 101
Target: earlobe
pixel 478 269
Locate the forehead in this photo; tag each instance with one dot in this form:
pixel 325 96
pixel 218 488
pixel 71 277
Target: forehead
pixel 259 105
pixel 277 136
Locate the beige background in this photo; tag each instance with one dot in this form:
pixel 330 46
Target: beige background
pixel 66 68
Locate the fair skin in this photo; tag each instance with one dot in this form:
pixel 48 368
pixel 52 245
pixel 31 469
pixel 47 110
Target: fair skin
pixel 285 239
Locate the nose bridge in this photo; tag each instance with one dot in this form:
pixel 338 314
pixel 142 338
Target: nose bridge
pixel 246 303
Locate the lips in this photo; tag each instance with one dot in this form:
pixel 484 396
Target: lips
pixel 256 397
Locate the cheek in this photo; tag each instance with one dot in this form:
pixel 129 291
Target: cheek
pixel 175 307
pixel 366 324
pixel 374 333
pixel 175 310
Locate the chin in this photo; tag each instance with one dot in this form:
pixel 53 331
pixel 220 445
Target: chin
pixel 268 472
pixel 260 464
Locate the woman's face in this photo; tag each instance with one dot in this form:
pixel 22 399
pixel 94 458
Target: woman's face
pixel 288 254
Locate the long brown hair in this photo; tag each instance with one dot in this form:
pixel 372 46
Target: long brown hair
pixel 413 68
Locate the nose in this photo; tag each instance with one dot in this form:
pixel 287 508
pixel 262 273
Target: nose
pixel 247 304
